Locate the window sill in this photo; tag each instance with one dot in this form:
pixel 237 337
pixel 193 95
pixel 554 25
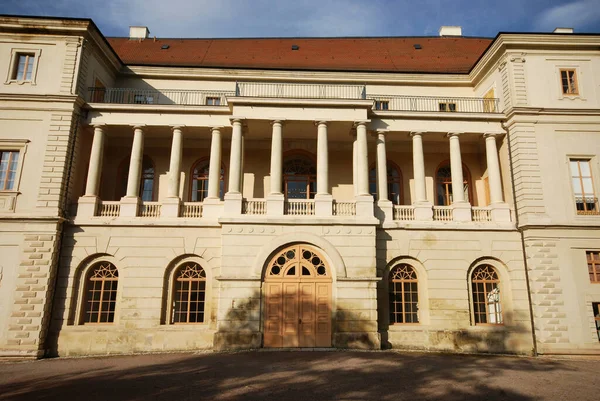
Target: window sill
pixel 19 82
pixel 8 200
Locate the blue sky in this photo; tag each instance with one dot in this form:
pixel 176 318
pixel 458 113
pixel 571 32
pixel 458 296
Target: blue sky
pixel 268 18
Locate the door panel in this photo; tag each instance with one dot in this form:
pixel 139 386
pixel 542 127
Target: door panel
pixel 290 314
pixel 273 312
pixel 307 315
pixel 323 318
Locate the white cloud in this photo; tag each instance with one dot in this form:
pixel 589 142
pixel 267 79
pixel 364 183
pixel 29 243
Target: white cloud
pixel 577 15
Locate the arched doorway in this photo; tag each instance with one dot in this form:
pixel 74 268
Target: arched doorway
pixel 297 288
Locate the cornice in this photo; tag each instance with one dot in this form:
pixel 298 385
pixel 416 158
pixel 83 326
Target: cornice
pixel 300 102
pixel 439 116
pixel 141 108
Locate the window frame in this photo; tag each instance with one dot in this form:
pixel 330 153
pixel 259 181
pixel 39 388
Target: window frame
pixel 123 175
pixel 15 53
pixel 173 297
pixel 83 294
pixel 308 179
pixel 576 79
pixel 589 160
pixel 446 107
pixel 403 281
pixel 8 196
pixel 213 101
pixel 501 301
pixel 448 185
pixel 191 180
pixel 381 105
pixel 390 181
pixel 595 262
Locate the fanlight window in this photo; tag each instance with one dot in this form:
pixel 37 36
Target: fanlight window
pixel 394 180
pixel 189 295
pixel 297 261
pixel 200 177
pixel 300 178
pixel 487 306
pixel 443 196
pixel 403 295
pixel 101 293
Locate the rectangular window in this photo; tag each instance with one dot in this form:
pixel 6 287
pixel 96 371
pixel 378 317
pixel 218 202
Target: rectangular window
pixel 593 262
pixel 213 101
pixel 24 66
pixel 143 99
pixel 596 308
pixel 9 160
pixel 583 187
pixel 447 106
pixel 382 105
pixel 568 79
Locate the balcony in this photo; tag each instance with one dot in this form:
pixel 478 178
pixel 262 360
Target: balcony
pixel 300 91
pixel 435 104
pixel 159 97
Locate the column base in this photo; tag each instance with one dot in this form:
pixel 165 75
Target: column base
pixel 364 205
pixel 384 211
pixel 233 204
pixel 275 204
pixel 87 206
pixel 461 211
pixel 423 211
pixel 130 206
pixel 323 205
pixel 212 208
pixel 501 212
pixel 170 207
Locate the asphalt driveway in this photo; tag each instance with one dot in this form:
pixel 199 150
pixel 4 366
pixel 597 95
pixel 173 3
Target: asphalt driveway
pixel 302 375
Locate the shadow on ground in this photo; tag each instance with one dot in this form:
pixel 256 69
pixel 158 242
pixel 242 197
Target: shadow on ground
pixel 285 375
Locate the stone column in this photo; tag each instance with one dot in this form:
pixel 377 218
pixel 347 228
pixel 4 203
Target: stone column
pixel 364 200
pixel 275 200
pixel 172 203
pixel 385 209
pixel 423 208
pixel 354 162
pixel 131 201
pixel 88 204
pixel 500 210
pixel 212 207
pixel 233 197
pixel 323 199
pixel 461 206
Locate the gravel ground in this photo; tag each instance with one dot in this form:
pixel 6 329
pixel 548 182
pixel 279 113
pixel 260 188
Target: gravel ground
pixel 293 375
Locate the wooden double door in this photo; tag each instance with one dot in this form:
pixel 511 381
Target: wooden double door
pixel 297 290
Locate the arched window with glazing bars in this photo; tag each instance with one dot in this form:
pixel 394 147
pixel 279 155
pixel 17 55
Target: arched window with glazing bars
pixel 403 295
pixel 487 303
pixel 100 290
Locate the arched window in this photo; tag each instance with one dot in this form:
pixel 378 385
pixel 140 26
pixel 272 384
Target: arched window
pixel 485 284
pixel 189 294
pixel 403 295
pixel 200 174
pixel 101 293
pixel 443 184
pixel 299 177
pixel 394 180
pixel 146 190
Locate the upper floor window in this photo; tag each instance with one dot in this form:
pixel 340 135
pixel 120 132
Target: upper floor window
pixel 382 105
pixel 213 101
pixel 568 79
pixel 200 175
pixel 9 161
pixel 101 293
pixel 394 181
pixel 23 66
pixel 300 178
pixel 443 187
pixel 583 187
pixel 485 286
pixel 593 262
pixel 447 106
pixel 146 189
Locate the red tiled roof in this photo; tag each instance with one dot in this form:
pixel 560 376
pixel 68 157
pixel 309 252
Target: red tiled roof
pixel 438 54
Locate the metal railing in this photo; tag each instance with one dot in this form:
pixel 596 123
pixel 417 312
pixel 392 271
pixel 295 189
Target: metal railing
pixel 404 213
pixel 150 209
pixel 442 213
pixel 299 91
pixel 109 209
pixel 344 208
pixel 191 210
pixel 435 104
pixel 481 213
pixel 159 96
pixel 299 207
pixel 254 206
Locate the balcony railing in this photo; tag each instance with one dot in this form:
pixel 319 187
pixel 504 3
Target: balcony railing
pixel 442 213
pixel 344 208
pixel 404 213
pixel 299 91
pixel 435 104
pixel 150 209
pixel 109 209
pixel 481 213
pixel 254 206
pixel 299 207
pixel 191 210
pixel 159 96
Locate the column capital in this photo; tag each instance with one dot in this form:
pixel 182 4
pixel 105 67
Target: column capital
pixel 138 126
pixel 322 122
pixel 216 128
pixel 279 121
pixel 380 131
pixel 177 126
pixel 360 122
pixel 98 125
pixel 234 120
pixel 417 133
pixel 451 134
pixel 492 134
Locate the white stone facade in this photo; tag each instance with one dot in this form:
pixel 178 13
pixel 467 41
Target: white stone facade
pixel 113 176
